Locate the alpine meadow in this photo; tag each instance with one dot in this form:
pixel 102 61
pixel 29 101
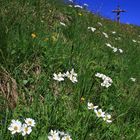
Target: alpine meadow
pixel 67 73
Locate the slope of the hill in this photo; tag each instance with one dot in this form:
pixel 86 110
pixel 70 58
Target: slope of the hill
pixel 41 37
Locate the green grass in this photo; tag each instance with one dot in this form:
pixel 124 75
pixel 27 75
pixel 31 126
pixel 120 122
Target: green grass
pixel 57 105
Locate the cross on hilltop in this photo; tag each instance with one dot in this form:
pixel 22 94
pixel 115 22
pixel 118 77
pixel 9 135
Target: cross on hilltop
pixel 118 11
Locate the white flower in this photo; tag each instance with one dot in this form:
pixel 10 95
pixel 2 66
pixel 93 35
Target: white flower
pixel 115 49
pixel 73 73
pixel 72 76
pixel 99 23
pixel 58 77
pixel 54 135
pixel 113 32
pixel 105 34
pixel 30 122
pixel 106 84
pixel 120 50
pixel 70 6
pixel 26 130
pixel 73 79
pixel 92 29
pixel 134 40
pixel 99 113
pixel 91 106
pixel 107 81
pixel 133 79
pixel 63 24
pixel 98 75
pixel 109 45
pixel 67 137
pixel 67 74
pixel 15 126
pixel 61 133
pixel 107 118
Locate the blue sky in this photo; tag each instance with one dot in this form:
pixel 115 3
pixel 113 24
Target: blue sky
pixel 105 7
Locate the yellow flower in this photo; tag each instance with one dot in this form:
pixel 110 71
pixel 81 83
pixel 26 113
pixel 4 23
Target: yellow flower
pixel 79 14
pixel 82 99
pixel 33 35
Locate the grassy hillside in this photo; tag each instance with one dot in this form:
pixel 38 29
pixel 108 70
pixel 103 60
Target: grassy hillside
pixel 41 37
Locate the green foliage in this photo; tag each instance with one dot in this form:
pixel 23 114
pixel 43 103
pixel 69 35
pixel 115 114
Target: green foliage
pixel 34 45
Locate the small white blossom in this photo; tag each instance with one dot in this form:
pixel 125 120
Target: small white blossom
pixel 71 75
pixel 92 29
pixel 120 50
pixel 70 6
pixel 105 34
pixel 66 137
pixel 53 135
pixel 91 106
pixel 133 79
pixel 15 126
pixel 26 130
pixel 113 32
pixel 30 122
pixel 63 24
pixel 99 113
pixel 99 23
pixel 134 40
pixel 58 77
pixel 107 118
pixel 115 49
pixel 109 45
pixel 73 79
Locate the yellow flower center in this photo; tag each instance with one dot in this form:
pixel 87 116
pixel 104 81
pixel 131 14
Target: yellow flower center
pixel 29 122
pixel 99 113
pixel 33 35
pixel 67 138
pixel 15 128
pixel 26 129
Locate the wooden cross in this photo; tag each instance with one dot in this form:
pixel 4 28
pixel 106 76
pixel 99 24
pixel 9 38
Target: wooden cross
pixel 118 12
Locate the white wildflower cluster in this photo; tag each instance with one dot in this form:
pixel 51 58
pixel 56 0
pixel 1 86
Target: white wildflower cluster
pixel 99 23
pixel 92 29
pixel 99 113
pixel 71 75
pixel 107 81
pixel 63 24
pixel 105 34
pixel 114 49
pixel 25 129
pixel 58 135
